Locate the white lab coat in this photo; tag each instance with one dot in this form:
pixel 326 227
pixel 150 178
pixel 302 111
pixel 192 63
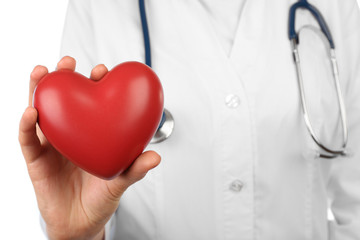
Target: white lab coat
pixel 240 163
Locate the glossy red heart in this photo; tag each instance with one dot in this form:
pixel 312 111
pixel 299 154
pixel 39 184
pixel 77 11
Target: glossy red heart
pixel 103 126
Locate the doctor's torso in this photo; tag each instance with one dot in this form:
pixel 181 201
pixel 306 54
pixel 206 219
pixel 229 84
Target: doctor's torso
pixel 240 163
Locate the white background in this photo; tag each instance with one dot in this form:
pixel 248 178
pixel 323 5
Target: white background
pixel 30 34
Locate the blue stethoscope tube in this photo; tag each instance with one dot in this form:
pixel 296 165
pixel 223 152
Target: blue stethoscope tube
pixel 145 30
pixel 318 16
pixel 163 132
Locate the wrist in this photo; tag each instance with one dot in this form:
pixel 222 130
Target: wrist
pixel 86 236
pixel 100 235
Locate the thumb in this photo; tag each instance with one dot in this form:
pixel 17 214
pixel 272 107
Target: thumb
pixel 28 139
pixel 145 162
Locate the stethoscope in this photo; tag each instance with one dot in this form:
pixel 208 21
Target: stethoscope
pixel 294 38
pixel 166 125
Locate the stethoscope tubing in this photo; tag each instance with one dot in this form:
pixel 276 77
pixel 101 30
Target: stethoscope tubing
pixel 294 38
pixel 166 124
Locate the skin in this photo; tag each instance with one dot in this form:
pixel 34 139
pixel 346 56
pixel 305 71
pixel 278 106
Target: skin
pixel 73 203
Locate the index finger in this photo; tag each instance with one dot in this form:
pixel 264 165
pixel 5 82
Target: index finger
pixel 35 76
pixel 39 72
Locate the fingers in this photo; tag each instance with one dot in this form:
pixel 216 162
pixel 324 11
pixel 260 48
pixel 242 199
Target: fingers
pixel 35 76
pixel 145 162
pixel 98 72
pixel 40 71
pixel 66 63
pixel 29 141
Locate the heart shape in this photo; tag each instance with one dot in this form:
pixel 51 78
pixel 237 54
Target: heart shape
pixel 101 126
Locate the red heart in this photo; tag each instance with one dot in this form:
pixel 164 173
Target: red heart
pixel 101 126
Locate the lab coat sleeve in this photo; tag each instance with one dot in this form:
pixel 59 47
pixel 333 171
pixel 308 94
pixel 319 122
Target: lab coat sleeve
pixel 344 183
pixel 78 41
pixel 109 227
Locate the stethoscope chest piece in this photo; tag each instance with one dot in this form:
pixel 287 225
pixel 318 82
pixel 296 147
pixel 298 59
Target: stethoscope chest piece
pixel 165 129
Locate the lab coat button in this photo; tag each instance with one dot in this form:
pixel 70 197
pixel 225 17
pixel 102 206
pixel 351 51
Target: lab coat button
pixel 232 101
pixel 236 186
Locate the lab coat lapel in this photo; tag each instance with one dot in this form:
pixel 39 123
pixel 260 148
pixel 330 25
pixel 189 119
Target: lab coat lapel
pixel 202 48
pixel 249 36
pixel 205 51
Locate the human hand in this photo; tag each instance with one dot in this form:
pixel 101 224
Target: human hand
pixel 73 203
